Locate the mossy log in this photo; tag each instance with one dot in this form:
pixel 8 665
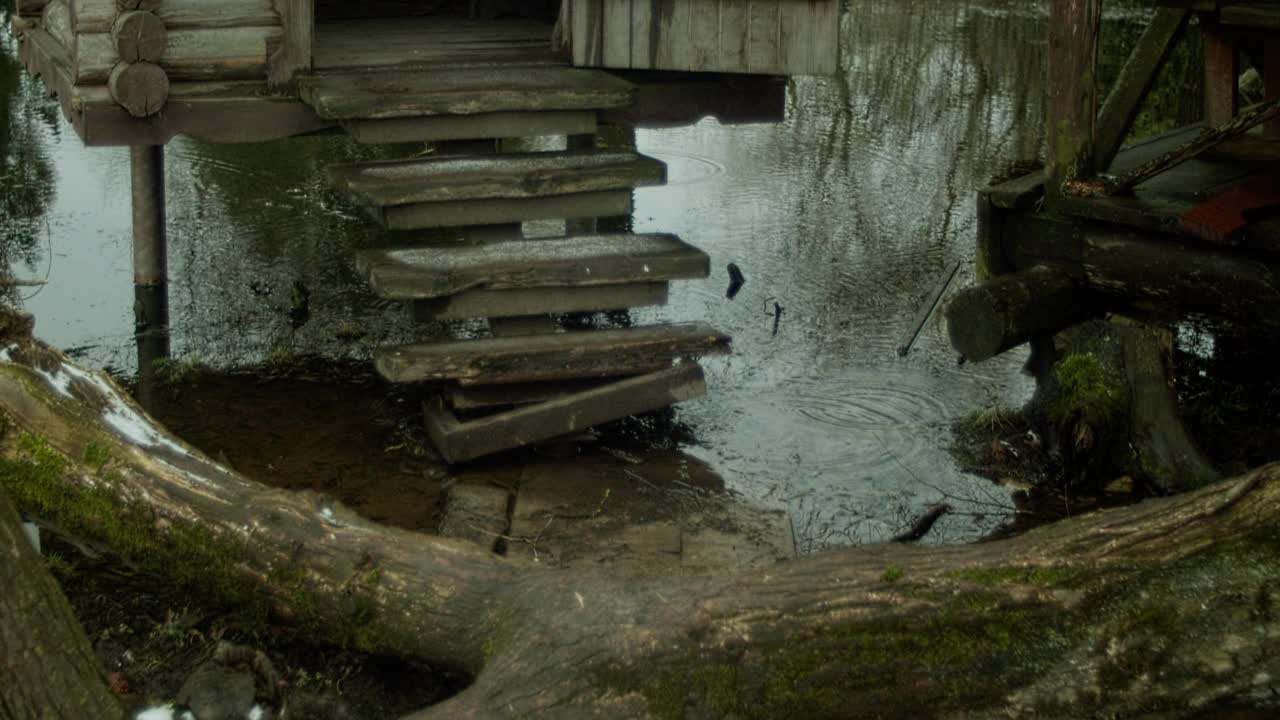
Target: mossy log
pixel 1164 608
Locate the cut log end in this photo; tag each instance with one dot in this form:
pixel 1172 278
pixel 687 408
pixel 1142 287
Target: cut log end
pixel 140 88
pixel 988 319
pixel 139 37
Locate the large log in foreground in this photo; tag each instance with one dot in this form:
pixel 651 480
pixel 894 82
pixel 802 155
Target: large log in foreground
pixel 1160 607
pixel 988 319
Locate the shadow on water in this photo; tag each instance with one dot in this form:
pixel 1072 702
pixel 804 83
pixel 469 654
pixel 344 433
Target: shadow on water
pixel 846 216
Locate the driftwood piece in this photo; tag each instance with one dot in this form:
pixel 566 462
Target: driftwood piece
pixel 420 273
pixel 560 356
pixel 139 36
pixel 1205 141
pixel 140 88
pixel 1045 625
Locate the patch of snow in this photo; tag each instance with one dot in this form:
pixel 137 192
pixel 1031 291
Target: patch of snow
pixel 256 713
pixel 160 712
pixel 6 355
pixel 33 534
pixel 120 416
pixel 57 380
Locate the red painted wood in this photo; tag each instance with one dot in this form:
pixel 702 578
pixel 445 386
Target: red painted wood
pixel 1222 217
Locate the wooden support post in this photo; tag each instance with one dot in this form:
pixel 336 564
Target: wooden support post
pixel 1072 107
pixel 1271 78
pixel 1221 76
pixel 1135 81
pixel 988 319
pixel 150 264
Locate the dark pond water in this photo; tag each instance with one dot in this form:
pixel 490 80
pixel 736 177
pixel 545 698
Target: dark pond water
pixel 847 215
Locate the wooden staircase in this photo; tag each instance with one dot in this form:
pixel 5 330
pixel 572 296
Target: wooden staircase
pixel 531 379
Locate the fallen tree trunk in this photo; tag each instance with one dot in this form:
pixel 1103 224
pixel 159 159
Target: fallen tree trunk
pixel 1165 607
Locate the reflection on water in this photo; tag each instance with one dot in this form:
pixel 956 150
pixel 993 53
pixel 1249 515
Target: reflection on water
pixel 847 216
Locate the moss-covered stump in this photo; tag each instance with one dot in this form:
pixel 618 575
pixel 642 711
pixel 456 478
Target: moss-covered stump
pixel 1162 608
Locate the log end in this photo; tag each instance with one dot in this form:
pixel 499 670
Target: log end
pixel 139 37
pixel 141 88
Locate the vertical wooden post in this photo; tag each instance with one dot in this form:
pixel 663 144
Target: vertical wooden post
pixel 1271 77
pixel 150 264
pixel 1072 106
pixel 1221 76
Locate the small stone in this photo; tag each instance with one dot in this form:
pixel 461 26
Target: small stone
pixel 1122 485
pixel 216 693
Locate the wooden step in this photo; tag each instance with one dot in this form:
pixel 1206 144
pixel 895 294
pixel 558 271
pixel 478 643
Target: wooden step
pixel 381 95
pixel 419 273
pixel 464 190
pixel 540 301
pixel 562 356
pixel 468 127
pixel 486 177
pixel 461 441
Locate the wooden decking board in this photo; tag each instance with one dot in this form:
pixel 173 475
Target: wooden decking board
pixel 563 356
pixel 380 95
pixel 540 301
pixel 483 397
pixel 489 177
pixel 486 212
pixel 468 127
pixel 462 441
pixel 418 273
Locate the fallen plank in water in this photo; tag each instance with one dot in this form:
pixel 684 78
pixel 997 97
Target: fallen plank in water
pixel 462 441
pixel 561 356
pixel 452 178
pixel 420 273
pixel 539 301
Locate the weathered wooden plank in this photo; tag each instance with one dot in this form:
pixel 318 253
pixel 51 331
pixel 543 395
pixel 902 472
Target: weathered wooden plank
pixel 540 301
pixel 562 356
pixel 294 54
pixel 523 175
pixel 470 91
pixel 644 46
pixel 616 34
pixel 97 16
pixel 675 17
pixel 588 29
pixel 435 42
pixel 733 34
pixel 1260 15
pixel 1136 79
pixel 466 127
pixel 764 36
pixel 479 397
pixel 459 442
pixel 1071 108
pixel 218 54
pixel 420 273
pixel 483 212
pixel 1221 70
pixel 703 35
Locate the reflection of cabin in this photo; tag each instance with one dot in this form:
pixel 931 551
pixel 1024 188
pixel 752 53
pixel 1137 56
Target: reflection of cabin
pixel 465 74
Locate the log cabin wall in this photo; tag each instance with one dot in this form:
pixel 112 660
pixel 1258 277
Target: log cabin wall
pixel 773 37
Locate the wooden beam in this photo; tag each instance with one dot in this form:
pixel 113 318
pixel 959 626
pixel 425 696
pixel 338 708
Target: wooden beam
pixel 1072 107
pixel 420 216
pixel 540 301
pixel 294 54
pixel 1135 81
pixel 1221 75
pixel 561 356
pixel 459 441
pixel 1003 313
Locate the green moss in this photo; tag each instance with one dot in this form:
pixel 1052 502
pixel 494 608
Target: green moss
pixel 171 371
pixel 950 654
pixel 1085 390
pixel 1006 575
pixel 892 574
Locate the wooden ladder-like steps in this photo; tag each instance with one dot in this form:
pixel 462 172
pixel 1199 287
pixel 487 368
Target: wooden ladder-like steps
pixel 552 357
pixel 474 190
